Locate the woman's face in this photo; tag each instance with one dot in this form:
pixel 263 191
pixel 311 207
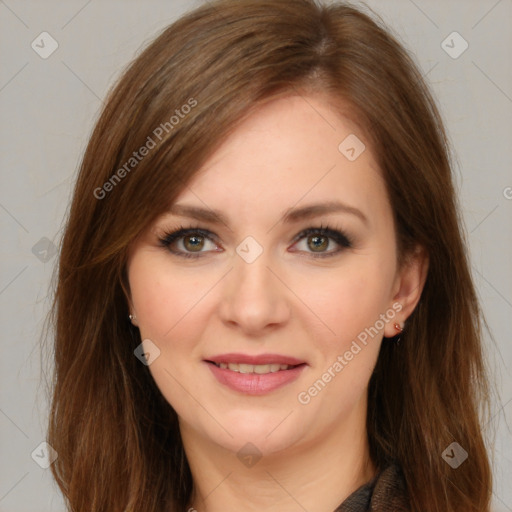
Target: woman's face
pixel 303 313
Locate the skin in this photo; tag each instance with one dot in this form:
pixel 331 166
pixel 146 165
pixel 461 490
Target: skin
pixel 314 455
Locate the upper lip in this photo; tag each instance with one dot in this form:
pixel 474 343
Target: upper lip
pixel 255 360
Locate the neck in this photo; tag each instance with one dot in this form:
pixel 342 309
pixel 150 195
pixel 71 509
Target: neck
pixel 315 475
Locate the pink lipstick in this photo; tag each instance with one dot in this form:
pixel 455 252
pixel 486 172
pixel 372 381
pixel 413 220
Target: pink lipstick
pixel 255 375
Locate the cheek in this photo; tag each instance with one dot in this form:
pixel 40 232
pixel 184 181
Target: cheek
pixel 350 304
pixel 347 301
pixel 172 315
pixel 164 299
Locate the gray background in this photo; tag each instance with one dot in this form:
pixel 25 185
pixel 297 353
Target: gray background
pixel 48 109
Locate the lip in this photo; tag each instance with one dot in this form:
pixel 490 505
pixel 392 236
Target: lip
pixel 259 359
pixel 255 383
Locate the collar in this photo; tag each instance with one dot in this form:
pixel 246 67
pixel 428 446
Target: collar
pixel 386 492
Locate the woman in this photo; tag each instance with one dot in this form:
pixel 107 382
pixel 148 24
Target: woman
pixel 264 300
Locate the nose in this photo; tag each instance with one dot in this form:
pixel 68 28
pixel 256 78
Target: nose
pixel 253 299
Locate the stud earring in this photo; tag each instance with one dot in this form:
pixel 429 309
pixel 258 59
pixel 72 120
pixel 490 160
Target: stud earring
pixel 132 317
pixel 399 328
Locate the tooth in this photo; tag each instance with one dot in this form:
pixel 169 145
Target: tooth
pixel 262 368
pixel 254 368
pixel 246 368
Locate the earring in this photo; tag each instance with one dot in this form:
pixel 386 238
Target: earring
pixel 132 317
pixel 399 328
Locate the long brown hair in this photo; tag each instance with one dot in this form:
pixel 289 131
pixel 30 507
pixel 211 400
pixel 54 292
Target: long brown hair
pixel 117 438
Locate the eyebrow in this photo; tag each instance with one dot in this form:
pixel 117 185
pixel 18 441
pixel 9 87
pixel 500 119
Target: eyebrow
pixel 289 216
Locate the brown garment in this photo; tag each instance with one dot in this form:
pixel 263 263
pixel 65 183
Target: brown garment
pixel 386 492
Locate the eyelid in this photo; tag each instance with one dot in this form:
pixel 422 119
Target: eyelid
pixel 169 237
pixel 336 234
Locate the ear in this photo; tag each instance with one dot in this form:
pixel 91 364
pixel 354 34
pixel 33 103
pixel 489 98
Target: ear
pixel 407 288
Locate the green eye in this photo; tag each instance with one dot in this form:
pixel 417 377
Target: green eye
pixel 193 241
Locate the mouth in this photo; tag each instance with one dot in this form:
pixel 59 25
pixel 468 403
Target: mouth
pixel 255 375
pixel 260 369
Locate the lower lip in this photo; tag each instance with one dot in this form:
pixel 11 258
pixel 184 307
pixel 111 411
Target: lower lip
pixel 255 383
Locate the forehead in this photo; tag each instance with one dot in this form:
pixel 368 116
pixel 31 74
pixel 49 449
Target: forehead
pixel 292 149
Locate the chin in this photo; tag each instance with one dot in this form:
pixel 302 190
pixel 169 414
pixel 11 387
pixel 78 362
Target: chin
pixel 252 432
pixel 258 445
pixel 267 432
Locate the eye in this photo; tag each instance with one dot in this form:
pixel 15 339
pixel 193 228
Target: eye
pixel 318 240
pixel 189 242
pixel 192 242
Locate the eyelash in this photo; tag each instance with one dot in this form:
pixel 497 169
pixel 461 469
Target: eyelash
pixel 334 234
